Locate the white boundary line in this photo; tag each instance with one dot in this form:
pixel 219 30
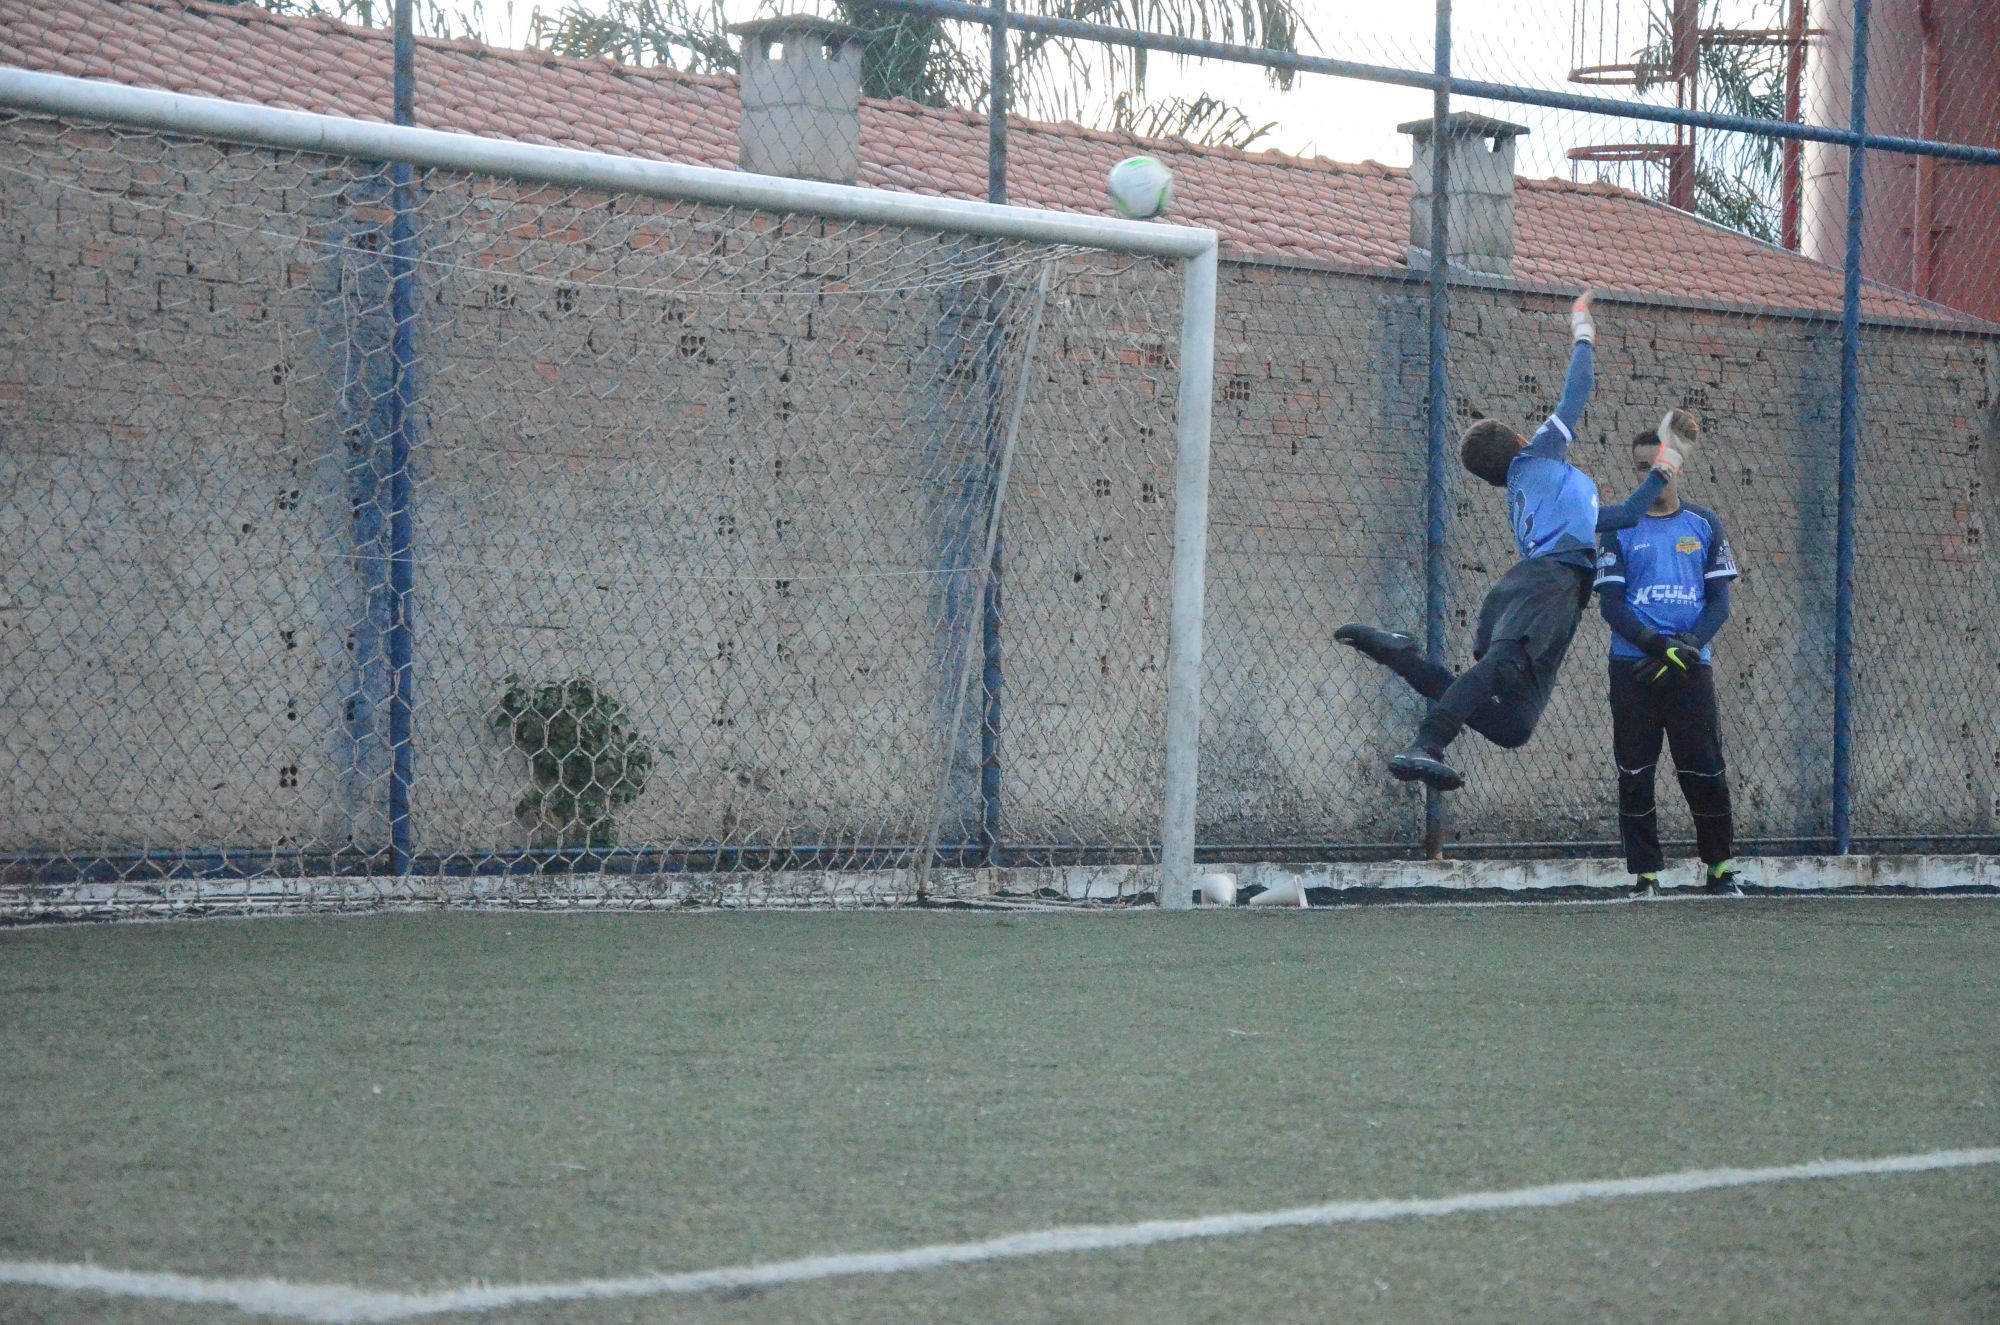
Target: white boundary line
pixel 341 1305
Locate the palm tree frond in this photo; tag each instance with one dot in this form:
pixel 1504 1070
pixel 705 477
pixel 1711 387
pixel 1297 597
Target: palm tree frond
pixel 1736 176
pixel 429 18
pixel 908 55
pixel 1204 120
pixel 680 34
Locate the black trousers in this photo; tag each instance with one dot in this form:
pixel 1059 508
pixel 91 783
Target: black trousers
pixel 1683 712
pixel 1525 628
pixel 1498 696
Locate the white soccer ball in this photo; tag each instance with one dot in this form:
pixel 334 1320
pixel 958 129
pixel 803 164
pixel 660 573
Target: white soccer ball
pixel 1141 187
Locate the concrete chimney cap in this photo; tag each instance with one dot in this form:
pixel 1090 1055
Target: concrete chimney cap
pixel 1465 124
pixel 796 25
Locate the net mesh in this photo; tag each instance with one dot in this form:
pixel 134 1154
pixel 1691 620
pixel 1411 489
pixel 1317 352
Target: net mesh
pixel 1927 602
pixel 698 507
pixel 1316 518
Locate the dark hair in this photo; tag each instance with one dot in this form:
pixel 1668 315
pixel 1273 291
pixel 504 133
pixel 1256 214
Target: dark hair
pixel 1488 448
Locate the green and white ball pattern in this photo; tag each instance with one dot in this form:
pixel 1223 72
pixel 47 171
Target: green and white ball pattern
pixel 1141 187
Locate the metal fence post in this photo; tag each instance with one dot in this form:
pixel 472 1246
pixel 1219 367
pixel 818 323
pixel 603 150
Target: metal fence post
pixel 402 565
pixel 999 97
pixel 1850 437
pixel 991 674
pixel 1436 470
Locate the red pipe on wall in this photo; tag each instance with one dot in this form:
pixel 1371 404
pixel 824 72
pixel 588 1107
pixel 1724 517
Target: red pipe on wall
pixel 1793 150
pixel 1923 221
pixel 1685 70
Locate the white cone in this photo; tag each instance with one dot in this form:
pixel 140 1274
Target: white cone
pixel 1288 891
pixel 1218 889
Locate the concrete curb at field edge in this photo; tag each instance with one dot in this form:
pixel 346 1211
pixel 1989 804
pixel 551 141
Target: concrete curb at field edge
pixel 1325 885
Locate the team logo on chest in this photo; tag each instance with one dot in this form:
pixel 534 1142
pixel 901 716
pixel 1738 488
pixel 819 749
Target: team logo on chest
pixel 1662 595
pixel 1687 543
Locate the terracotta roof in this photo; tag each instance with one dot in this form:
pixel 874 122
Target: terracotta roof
pixel 1264 204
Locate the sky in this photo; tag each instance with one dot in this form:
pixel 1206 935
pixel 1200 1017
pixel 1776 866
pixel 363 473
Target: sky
pixel 1534 42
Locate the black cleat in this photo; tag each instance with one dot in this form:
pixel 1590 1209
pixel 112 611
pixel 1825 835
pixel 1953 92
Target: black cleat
pixel 1375 642
pixel 1644 886
pixel 1418 764
pixel 1721 881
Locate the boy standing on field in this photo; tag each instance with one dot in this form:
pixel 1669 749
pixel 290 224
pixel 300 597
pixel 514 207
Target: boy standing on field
pixel 1663 586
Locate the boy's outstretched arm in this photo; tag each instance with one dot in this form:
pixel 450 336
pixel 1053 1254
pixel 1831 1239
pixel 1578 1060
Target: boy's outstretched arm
pixel 1666 465
pixel 1630 511
pixel 1551 441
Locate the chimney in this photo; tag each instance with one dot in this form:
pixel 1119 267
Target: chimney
pixel 1480 205
pixel 801 90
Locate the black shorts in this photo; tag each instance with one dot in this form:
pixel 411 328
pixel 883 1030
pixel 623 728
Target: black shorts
pixel 1539 602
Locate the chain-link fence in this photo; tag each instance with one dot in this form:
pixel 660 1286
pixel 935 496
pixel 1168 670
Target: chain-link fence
pixel 672 553
pixel 434 522
pixel 1686 159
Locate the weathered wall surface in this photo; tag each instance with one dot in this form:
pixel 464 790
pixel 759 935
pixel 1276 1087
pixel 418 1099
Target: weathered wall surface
pixel 1319 519
pixel 737 471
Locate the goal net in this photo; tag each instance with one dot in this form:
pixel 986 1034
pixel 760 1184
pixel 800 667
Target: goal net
pixel 418 509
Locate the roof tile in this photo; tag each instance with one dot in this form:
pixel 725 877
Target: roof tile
pixel 1305 209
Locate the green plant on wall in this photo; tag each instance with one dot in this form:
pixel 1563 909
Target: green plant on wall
pixel 585 756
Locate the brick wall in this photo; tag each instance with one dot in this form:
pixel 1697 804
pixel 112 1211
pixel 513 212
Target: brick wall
pixel 734 471
pixel 1319 519
pixel 753 507
pixel 178 635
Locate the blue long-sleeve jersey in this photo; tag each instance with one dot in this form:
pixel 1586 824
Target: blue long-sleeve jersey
pixel 1552 503
pixel 1669 575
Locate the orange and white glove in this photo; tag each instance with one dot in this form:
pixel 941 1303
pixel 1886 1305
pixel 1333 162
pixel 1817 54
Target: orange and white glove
pixel 1580 325
pixel 1672 453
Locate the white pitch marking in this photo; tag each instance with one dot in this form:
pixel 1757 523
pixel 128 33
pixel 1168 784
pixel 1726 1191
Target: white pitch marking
pixel 340 1305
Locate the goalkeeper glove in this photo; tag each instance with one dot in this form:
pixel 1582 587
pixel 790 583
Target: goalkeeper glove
pixel 1580 325
pixel 1674 446
pixel 1677 657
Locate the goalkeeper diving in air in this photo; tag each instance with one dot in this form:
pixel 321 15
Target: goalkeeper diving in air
pixel 1530 616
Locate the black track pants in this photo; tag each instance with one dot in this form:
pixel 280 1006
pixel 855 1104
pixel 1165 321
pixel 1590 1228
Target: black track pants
pixel 1683 712
pixel 1526 624
pixel 1496 696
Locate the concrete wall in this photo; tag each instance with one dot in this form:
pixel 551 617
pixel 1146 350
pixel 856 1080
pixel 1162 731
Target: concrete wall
pixel 752 506
pixel 179 623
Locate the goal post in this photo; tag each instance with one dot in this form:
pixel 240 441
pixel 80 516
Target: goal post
pixel 901 359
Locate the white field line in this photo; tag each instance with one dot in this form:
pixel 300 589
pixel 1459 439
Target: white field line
pixel 340 1304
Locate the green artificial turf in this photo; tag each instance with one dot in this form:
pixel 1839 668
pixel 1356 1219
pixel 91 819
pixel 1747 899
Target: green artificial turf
pixel 426 1101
